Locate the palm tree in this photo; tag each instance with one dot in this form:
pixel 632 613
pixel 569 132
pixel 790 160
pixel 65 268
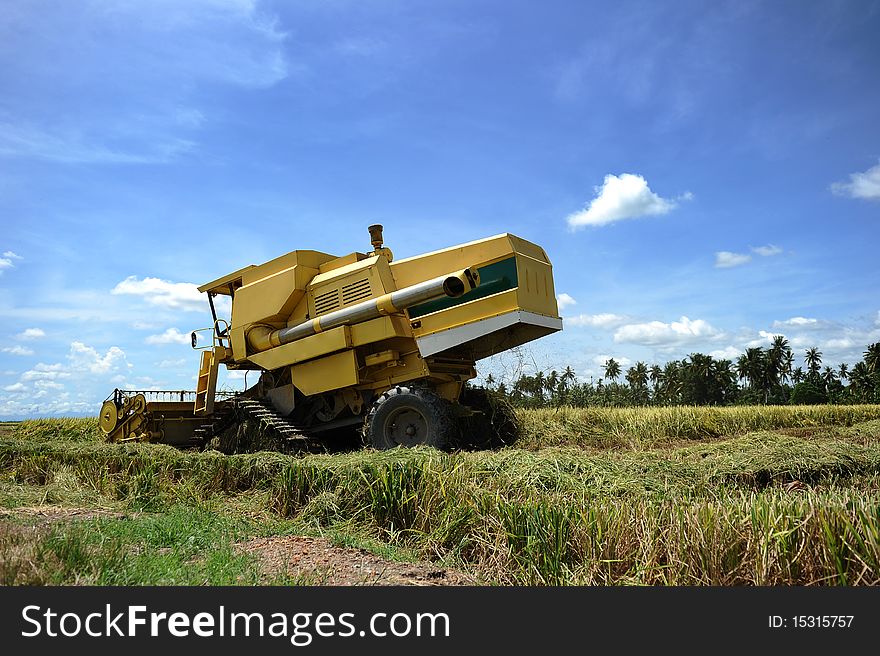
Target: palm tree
pixel 872 358
pixel 568 376
pixel 789 365
pixel 612 369
pixel 776 358
pixel 829 377
pixel 797 375
pixel 860 379
pixel 656 375
pixel 742 367
pixel 813 360
pixel 843 371
pixel 671 389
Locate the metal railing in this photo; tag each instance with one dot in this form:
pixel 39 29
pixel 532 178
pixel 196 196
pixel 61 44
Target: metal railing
pixel 167 395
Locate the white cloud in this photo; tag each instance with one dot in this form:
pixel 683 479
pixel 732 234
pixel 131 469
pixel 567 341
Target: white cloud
pixel 17 350
pixel 797 322
pixel 604 320
pixel 15 387
pixel 767 251
pixel 7 261
pixel 170 336
pixel 43 371
pixel 175 295
pixel 726 259
pixel 657 333
pixel 31 333
pixel 563 300
pixel 865 185
pixel 84 357
pixel 48 384
pixel 600 360
pixel 727 353
pixel 621 197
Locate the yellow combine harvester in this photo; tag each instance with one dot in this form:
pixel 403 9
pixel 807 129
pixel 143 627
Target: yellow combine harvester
pixel 358 340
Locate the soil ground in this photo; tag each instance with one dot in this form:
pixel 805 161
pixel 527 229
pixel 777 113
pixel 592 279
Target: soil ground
pixel 316 561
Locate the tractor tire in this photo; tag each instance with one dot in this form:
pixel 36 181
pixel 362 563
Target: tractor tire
pixel 410 416
pixel 494 423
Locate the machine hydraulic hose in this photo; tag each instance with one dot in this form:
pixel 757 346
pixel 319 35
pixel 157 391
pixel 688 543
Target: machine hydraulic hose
pixel 453 285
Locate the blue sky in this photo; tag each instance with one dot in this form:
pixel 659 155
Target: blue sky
pixel 702 175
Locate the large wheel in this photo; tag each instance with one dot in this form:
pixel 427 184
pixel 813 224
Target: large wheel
pixel 410 416
pixel 494 423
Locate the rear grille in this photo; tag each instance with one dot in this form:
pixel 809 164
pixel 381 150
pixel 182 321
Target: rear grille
pixel 356 291
pixel 326 302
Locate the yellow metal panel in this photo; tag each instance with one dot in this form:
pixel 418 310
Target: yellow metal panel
pixel 376 330
pixel 348 285
pixel 458 315
pixel 477 253
pixel 239 345
pixel 306 259
pixel 272 298
pixel 536 292
pixel 304 349
pixel 339 262
pixel 327 373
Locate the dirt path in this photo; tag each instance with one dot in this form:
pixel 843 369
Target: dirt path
pixel 40 515
pixel 318 562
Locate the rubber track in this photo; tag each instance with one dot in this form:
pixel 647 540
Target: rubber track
pixel 268 418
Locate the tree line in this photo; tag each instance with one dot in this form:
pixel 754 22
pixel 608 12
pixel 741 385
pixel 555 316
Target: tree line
pixel 758 376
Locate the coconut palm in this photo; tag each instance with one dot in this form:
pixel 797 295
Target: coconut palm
pixel 813 360
pixel 612 369
pixel 843 371
pixel 872 358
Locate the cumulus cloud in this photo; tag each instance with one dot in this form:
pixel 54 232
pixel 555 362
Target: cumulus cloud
pixel 164 293
pixel 727 353
pixel 86 358
pixel 657 333
pixel 797 322
pixel 604 320
pixel 15 387
pixel 8 260
pixel 42 371
pixel 621 197
pixel 726 259
pixel 563 300
pixel 767 251
pixel 600 360
pixel 170 336
pixel 17 350
pixel 864 185
pixel 31 333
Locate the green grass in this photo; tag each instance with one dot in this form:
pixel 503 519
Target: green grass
pixel 677 496
pixel 648 427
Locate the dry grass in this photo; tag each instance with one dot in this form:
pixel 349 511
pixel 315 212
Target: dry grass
pixel 795 506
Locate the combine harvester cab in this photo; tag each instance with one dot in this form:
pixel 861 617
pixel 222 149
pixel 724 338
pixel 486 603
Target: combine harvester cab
pixel 360 341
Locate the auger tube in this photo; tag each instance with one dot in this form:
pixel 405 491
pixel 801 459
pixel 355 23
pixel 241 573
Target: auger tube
pixel 262 337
